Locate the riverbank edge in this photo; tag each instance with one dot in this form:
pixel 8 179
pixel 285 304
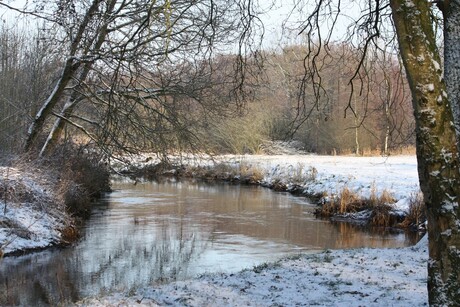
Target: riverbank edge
pixel 374 210
pixel 43 203
pixel 67 195
pixel 344 277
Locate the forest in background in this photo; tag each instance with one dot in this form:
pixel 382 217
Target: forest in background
pixel 201 111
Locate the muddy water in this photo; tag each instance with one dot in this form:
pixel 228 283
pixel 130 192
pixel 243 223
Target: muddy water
pixel 150 233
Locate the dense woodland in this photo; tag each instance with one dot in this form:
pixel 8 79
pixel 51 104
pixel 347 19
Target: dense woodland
pixel 201 112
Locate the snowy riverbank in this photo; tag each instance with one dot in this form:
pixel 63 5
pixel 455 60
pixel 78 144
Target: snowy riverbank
pixel 315 175
pixel 357 277
pixel 31 217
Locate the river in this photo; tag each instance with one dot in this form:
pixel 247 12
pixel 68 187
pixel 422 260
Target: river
pixel 154 232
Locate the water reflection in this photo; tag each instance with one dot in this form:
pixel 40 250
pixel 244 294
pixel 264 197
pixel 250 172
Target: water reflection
pixel 155 232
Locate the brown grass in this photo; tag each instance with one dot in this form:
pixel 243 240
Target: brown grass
pixel 250 173
pixel 417 212
pixel 346 202
pixel 383 199
pixel 382 216
pixel 350 202
pixel 69 234
pixel 243 173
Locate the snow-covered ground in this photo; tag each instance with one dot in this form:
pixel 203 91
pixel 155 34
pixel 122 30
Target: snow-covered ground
pixel 360 277
pixel 30 217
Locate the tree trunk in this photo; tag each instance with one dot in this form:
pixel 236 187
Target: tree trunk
pixel 36 127
pixel 452 58
pixel 58 127
pixel 386 105
pixel 66 112
pixel 437 154
pixel 70 68
pixel 357 124
pixel 387 128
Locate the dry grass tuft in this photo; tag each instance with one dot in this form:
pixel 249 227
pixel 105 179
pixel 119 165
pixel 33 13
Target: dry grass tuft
pixel 250 173
pixel 348 202
pixel 386 197
pixel 69 234
pixel 417 212
pixel 382 216
pixel 243 173
pixel 301 174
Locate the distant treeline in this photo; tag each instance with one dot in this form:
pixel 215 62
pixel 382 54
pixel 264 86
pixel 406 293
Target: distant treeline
pixel 281 102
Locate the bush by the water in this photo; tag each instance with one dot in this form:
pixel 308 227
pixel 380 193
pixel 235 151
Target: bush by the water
pixel 81 175
pixel 85 177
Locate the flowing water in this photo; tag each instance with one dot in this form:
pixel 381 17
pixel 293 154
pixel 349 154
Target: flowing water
pixel 150 233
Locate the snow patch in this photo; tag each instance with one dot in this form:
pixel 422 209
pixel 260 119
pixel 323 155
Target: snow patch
pixel 29 217
pixel 447 233
pixel 420 58
pixel 359 277
pixel 436 64
pixel 409 3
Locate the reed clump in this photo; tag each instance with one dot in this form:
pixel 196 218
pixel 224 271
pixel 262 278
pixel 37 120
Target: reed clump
pixel 345 202
pixel 376 209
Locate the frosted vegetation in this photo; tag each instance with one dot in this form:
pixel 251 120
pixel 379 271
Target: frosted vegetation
pixel 346 186
pixel 332 97
pixel 371 277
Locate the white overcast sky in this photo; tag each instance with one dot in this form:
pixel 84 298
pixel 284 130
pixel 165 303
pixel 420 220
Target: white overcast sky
pixel 282 16
pixel 277 13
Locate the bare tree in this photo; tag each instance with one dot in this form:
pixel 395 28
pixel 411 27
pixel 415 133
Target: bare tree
pixel 391 93
pixel 412 22
pixel 26 66
pixel 320 123
pixel 120 61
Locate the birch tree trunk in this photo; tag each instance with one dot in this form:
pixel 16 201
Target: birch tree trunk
pixel 437 154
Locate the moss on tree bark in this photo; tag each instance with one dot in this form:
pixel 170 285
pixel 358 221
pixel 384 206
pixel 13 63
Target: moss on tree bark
pixel 437 154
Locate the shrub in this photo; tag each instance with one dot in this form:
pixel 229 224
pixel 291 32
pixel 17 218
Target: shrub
pixel 346 202
pixel 82 176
